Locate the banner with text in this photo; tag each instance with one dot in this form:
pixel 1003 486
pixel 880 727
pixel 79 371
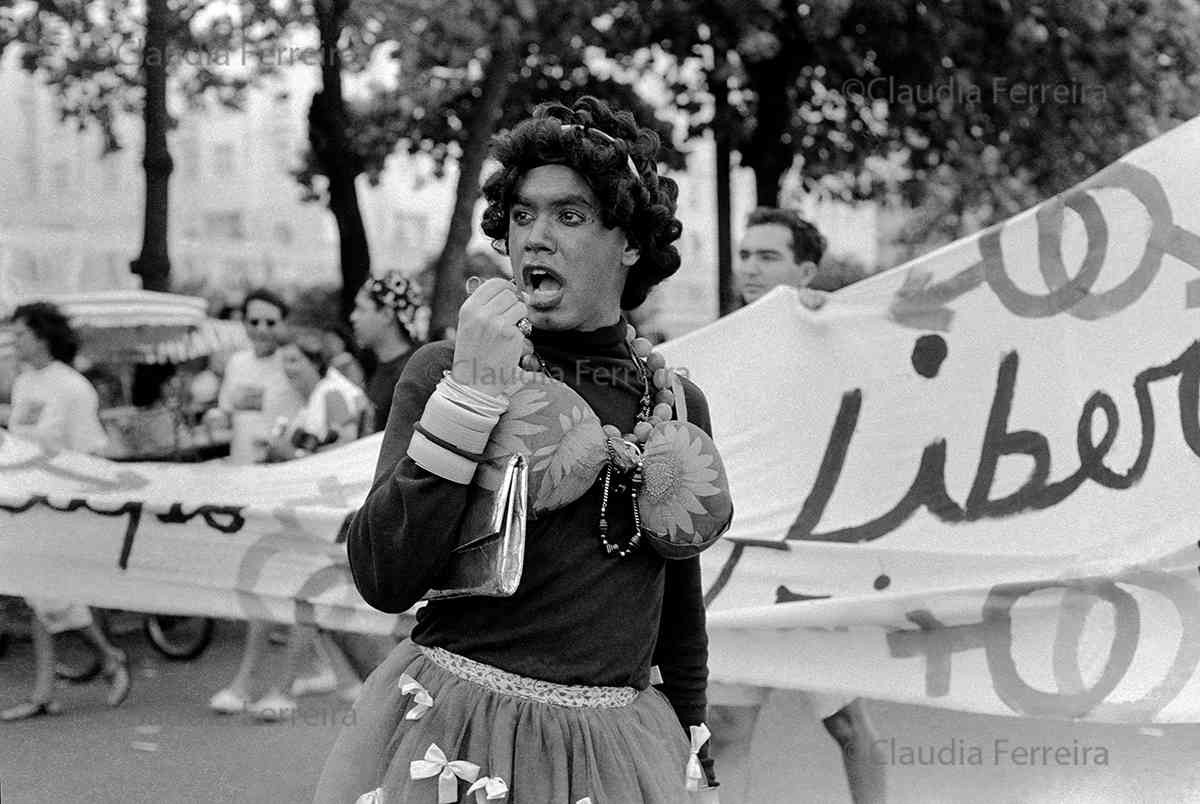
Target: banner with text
pixel 967 482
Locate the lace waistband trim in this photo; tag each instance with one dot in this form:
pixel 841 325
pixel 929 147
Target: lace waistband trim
pixel 547 692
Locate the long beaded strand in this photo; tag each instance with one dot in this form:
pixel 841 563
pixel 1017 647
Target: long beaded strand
pixel 653 374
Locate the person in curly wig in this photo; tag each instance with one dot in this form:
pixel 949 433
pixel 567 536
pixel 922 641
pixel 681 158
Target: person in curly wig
pixel 588 682
pixel 604 148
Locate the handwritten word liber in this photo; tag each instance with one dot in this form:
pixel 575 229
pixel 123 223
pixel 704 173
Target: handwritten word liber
pixel 928 488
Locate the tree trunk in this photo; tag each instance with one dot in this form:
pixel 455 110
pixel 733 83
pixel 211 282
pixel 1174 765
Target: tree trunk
pixel 727 297
pixel 327 134
pixel 449 292
pixel 153 264
pixel 769 152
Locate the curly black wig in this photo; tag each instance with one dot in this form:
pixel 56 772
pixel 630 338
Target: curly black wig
pixel 600 144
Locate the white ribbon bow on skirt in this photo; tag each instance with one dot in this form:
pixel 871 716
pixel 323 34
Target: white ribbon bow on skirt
pixel 435 764
pixel 488 788
pixel 422 700
pixel 695 771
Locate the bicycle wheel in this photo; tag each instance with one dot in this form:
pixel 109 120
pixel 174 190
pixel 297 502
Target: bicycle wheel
pixel 178 638
pixel 76 659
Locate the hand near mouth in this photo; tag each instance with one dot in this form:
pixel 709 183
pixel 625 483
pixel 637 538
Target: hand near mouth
pixel 489 345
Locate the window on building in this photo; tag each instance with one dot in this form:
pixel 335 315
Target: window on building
pixel 111 168
pixel 60 176
pixel 189 159
pixel 225 225
pixel 223 159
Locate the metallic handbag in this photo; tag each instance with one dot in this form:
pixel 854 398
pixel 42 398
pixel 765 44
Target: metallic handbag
pixel 491 551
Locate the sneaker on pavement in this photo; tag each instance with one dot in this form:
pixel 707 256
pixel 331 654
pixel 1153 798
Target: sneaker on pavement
pixel 319 684
pixel 350 694
pixel 273 708
pixel 227 702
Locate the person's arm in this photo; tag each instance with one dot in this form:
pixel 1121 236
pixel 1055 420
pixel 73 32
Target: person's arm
pixel 399 542
pixel 225 394
pixel 682 649
pixel 341 421
pixel 85 433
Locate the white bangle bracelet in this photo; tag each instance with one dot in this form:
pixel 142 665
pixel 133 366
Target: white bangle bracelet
pixel 449 427
pixel 440 461
pixel 471 398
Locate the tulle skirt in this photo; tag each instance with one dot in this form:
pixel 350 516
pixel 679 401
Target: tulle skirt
pixel 430 724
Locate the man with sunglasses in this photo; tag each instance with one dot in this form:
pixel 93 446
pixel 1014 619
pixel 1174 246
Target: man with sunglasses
pixel 255 393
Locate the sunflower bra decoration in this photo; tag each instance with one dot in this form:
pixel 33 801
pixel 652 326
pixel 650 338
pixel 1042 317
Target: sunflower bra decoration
pixel 675 478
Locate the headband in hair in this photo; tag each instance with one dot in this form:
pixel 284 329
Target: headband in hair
pixel 404 298
pixel 607 138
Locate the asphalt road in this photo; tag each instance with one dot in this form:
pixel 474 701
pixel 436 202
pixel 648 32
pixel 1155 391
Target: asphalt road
pixel 164 746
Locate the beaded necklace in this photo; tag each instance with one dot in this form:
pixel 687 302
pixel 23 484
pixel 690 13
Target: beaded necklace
pixel 625 450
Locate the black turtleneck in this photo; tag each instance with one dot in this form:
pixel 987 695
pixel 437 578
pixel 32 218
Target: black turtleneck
pixel 579 616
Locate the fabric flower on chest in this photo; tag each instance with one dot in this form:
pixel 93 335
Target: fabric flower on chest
pixel 684 502
pixel 560 436
pixel 684 497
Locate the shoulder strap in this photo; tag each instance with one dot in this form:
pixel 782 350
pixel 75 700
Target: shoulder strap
pixel 681 413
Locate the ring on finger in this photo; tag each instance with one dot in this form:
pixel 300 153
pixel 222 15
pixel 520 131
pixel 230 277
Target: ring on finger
pixel 526 327
pixel 473 283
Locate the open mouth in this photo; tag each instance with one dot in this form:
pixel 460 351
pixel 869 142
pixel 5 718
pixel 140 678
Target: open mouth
pixel 545 287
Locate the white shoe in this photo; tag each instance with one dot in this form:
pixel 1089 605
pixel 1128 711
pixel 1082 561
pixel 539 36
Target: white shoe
pixel 227 702
pixel 273 708
pixel 319 684
pixel 350 694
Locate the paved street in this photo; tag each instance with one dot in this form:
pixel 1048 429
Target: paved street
pixel 164 746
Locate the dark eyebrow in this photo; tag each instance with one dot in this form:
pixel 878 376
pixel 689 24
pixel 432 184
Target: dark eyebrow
pixel 565 201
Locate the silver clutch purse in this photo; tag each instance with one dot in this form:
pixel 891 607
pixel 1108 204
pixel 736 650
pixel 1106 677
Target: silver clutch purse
pixel 491 549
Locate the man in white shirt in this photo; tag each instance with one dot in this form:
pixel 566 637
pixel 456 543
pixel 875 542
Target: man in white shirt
pixel 781 248
pixel 54 406
pixel 255 393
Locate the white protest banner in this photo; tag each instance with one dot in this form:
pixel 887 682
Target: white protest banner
pixel 967 482
pixel 214 539
pixel 982 464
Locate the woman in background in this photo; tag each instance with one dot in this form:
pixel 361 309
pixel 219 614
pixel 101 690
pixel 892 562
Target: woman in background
pixel 334 414
pixel 55 406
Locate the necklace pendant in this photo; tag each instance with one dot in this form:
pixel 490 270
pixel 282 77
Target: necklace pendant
pixel 610 548
pixel 623 455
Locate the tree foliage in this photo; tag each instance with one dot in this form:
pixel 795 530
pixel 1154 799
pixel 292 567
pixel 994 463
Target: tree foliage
pixel 92 55
pixel 465 71
pixel 975 107
pixel 106 59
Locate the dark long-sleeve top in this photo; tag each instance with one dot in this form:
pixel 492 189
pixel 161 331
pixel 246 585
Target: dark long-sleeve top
pixel 579 615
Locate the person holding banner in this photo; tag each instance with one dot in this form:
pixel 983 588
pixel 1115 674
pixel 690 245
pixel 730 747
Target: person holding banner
pixel 334 413
pixel 390 318
pixel 780 248
pixel 255 393
pixel 545 695
pixel 55 406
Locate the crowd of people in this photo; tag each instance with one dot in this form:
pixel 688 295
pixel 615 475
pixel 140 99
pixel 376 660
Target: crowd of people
pixel 517 689
pixel 294 392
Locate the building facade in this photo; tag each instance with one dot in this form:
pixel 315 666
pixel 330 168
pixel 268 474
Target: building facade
pixel 71 218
